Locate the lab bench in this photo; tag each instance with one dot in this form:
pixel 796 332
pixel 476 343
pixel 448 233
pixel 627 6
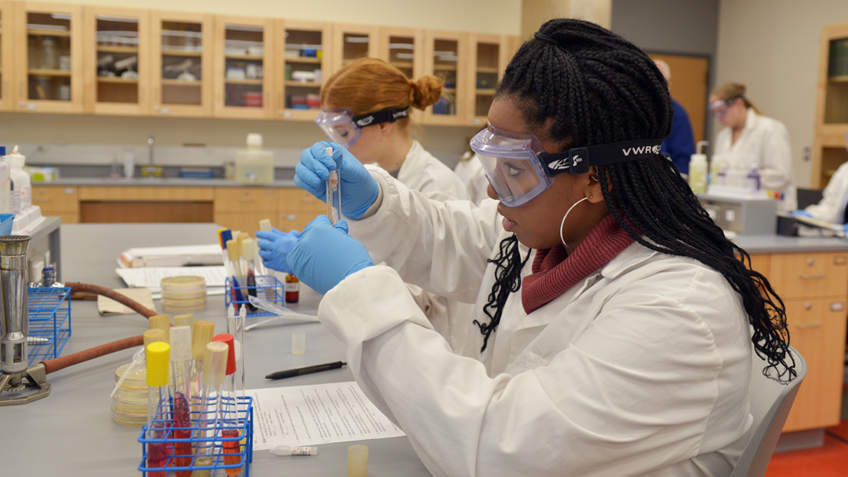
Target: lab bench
pixel 810 274
pixel 228 203
pixel 71 432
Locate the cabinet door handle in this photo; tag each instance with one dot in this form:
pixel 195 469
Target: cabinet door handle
pixel 811 277
pixel 809 326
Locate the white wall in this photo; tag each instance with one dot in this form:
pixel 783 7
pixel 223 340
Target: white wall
pixel 773 47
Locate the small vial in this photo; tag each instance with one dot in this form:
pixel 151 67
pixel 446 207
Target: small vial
pixel 334 195
pixel 292 288
pixel 296 450
pixel 298 342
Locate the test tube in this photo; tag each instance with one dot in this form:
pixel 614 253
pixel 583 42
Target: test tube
pixel 334 194
pixel 181 376
pixel 247 253
pixel 241 324
pixel 229 410
pixel 208 421
pixel 158 403
pixel 203 332
pixel 234 255
pixel 161 322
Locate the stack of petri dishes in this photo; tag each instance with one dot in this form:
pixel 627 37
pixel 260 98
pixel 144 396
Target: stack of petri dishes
pixel 183 294
pixel 129 404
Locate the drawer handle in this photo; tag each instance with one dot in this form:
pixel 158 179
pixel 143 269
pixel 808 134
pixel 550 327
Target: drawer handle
pixel 249 199
pixel 812 277
pixel 809 326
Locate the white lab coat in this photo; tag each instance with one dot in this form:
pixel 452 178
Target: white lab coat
pixel 471 173
pixel 765 141
pixel 831 208
pixel 642 368
pixel 422 172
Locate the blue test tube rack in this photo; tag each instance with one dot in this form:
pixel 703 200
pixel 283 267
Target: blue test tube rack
pixel 267 287
pixel 244 424
pixel 49 310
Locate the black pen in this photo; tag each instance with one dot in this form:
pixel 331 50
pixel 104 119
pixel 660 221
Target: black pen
pixel 307 370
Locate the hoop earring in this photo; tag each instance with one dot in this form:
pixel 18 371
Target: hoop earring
pixel 563 222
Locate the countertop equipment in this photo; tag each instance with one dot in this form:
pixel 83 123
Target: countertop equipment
pixel 740 214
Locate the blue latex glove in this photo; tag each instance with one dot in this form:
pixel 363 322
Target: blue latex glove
pixel 845 228
pixel 802 213
pixel 326 255
pixel 274 246
pixel 359 189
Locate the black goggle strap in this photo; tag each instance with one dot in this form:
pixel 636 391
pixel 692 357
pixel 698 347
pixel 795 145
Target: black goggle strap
pixel 385 116
pixel 578 160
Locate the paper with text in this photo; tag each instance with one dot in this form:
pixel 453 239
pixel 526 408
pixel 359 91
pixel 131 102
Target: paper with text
pixel 318 414
pixel 150 277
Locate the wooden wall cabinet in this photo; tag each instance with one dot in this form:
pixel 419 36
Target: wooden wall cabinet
pixel 244 50
pixel 7 52
pixel 351 42
pixel 814 288
pixel 181 64
pixel 831 130
pixel 445 56
pixel 403 48
pixel 304 63
pixel 117 61
pixel 48 74
pixel 488 56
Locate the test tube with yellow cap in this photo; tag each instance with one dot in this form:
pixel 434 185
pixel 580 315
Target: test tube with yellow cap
pixel 158 403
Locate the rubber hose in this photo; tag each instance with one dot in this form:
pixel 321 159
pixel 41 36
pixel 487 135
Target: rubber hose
pixel 62 362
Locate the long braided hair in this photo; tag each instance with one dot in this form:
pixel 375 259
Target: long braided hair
pixel 585 86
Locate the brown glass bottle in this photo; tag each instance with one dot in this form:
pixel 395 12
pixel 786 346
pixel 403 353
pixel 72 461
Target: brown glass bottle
pixel 292 288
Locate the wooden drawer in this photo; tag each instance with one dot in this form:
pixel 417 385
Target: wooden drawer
pixel 242 221
pixel 245 199
pixel 817 331
pixel 294 199
pixel 146 194
pixel 296 220
pixel 809 275
pixel 55 199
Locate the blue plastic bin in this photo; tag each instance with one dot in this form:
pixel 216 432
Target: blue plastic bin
pixel 6 224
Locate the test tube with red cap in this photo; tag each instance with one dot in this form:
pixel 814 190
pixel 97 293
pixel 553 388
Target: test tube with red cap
pixel 229 412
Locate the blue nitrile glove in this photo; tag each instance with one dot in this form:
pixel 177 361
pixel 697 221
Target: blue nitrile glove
pixel 274 246
pixel 802 213
pixel 326 255
pixel 845 228
pixel 359 189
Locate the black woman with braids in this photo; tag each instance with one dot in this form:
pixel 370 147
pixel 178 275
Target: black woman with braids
pixel 614 326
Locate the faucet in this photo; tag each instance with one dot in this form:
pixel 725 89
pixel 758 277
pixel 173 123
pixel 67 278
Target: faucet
pixel 150 168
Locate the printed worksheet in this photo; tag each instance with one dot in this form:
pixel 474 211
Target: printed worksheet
pixel 318 414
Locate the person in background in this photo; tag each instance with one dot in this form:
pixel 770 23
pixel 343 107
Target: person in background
pixel 751 139
pixel 680 143
pixel 471 173
pixel 366 108
pixel 833 207
pixel 620 345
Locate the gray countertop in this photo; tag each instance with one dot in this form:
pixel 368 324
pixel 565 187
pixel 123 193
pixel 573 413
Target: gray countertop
pixel 166 182
pixel 71 432
pixel 785 244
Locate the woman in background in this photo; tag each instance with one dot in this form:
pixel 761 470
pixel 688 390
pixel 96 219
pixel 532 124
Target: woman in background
pixel 751 139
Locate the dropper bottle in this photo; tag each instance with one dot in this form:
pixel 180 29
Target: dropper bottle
pixel 209 418
pixel 158 404
pixel 248 254
pixel 230 427
pixel 181 381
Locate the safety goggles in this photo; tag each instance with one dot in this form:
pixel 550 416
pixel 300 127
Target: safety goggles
pixel 343 128
pixel 519 169
pixel 720 107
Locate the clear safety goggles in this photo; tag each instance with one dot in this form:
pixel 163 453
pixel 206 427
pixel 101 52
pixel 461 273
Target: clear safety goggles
pixel 519 169
pixel 343 128
pixel 719 108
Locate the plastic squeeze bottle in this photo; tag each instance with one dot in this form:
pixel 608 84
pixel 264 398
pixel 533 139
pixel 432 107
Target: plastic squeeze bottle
pixel 21 186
